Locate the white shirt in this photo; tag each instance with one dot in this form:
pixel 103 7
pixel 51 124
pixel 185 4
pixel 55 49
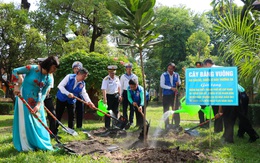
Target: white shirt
pixel 4 76
pixel 63 90
pixel 52 83
pixel 124 81
pixel 111 85
pixel 216 66
pixel 162 81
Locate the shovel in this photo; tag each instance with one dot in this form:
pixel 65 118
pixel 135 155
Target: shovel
pixel 174 110
pixel 141 135
pixel 122 122
pixel 50 132
pixel 66 129
pixel 189 131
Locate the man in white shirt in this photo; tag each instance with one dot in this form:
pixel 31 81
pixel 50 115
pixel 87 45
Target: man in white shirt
pixel 169 82
pixel 72 85
pixel 111 92
pixel 124 81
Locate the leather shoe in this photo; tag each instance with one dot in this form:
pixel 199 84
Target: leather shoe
pixel 253 139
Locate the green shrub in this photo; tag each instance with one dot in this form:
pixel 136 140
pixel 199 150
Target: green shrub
pixel 96 64
pixel 254 114
pixel 6 108
pixel 2 93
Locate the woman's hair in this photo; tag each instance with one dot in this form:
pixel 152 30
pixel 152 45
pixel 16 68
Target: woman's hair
pixel 47 63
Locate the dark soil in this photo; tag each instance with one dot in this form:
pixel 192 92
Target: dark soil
pixel 134 150
pixel 158 155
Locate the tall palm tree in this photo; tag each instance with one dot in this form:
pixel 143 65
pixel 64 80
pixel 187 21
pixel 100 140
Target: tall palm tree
pixel 220 5
pixel 241 37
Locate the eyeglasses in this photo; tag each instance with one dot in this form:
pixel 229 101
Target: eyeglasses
pixel 128 66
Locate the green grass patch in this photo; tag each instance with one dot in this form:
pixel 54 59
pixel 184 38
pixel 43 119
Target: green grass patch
pixel 216 151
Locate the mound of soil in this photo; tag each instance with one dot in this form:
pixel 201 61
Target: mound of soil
pixel 158 155
pixel 133 150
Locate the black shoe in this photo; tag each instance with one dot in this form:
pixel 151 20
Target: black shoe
pixel 240 135
pixel 253 139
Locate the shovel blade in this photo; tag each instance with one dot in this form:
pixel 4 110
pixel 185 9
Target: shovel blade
pixel 192 132
pixel 70 131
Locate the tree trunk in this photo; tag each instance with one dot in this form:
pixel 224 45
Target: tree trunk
pixel 97 32
pixel 25 5
pixel 144 86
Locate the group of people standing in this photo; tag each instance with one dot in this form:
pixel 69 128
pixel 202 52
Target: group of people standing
pixel 34 82
pixel 125 90
pixel 225 116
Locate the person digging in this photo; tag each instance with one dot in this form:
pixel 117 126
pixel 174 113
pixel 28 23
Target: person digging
pixel 135 95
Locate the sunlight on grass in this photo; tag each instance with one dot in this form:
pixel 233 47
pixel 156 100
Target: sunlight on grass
pixel 240 152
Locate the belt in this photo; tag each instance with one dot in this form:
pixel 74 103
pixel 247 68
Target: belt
pixel 113 94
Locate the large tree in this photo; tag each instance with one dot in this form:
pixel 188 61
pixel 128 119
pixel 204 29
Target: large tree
pixel 198 44
pixel 175 31
pixel 86 18
pixel 136 22
pixel 18 42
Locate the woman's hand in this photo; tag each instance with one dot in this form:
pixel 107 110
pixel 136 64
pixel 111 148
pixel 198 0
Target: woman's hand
pixel 36 108
pixel 17 90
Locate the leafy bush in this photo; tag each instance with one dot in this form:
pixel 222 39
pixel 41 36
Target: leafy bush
pixel 6 108
pixel 2 93
pixel 96 64
pixel 254 113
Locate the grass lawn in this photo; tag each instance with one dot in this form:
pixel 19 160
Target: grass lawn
pixel 240 151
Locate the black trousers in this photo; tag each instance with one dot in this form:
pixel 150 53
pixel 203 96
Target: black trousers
pixel 79 113
pixel 218 123
pixel 112 104
pixel 242 115
pixel 239 112
pixel 229 119
pixel 139 117
pixel 60 108
pixel 202 116
pixel 230 113
pixel 168 100
pixel 52 123
pixel 125 106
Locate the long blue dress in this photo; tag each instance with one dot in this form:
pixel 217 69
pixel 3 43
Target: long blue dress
pixel 28 133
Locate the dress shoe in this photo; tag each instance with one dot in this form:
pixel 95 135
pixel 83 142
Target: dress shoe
pixel 253 139
pixel 240 135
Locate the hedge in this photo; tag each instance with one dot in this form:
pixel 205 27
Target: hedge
pixel 6 108
pixel 254 114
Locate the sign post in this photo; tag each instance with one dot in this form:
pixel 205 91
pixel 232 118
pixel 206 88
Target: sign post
pixel 217 86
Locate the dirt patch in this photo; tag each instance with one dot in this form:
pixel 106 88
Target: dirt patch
pixel 113 133
pixel 90 147
pixel 133 150
pixel 145 154
pixel 161 155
